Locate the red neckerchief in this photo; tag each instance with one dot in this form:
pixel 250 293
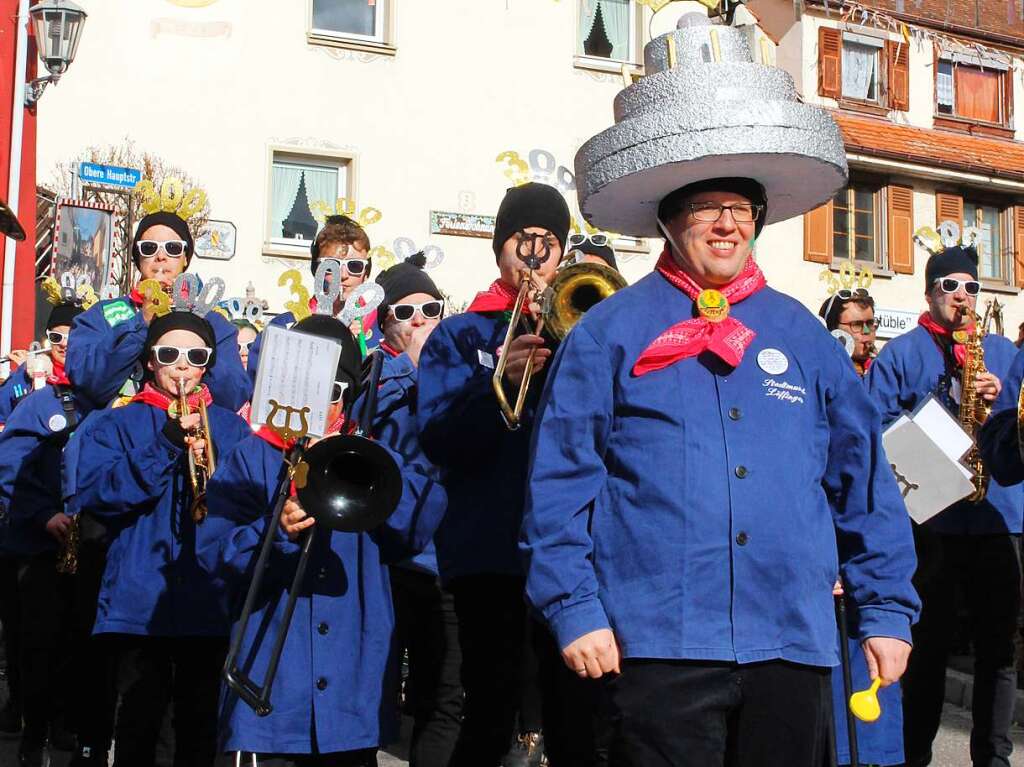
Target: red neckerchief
pixel 271 437
pixel 938 331
pixel 862 368
pixel 58 375
pixel 727 339
pixel 136 297
pixel 151 396
pixel 497 298
pixel 388 349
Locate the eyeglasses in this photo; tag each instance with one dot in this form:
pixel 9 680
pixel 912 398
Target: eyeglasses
pixel 243 346
pixel 55 337
pixel 354 266
pixel 429 310
pixel 598 239
pixel 173 248
pixel 952 285
pixel 864 327
pixel 742 212
pixel 338 391
pixel 197 356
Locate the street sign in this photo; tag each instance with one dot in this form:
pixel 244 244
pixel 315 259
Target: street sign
pixel 108 175
pixel 894 322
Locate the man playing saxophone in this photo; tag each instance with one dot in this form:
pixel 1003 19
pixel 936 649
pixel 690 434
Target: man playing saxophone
pixel 972 543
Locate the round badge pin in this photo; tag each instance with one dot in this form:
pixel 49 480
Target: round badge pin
pixel 712 305
pixel 772 361
pixel 58 422
pixel 960 336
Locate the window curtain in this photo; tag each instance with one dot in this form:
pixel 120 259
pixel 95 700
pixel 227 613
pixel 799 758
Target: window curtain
pixel 944 85
pixel 859 65
pixel 615 14
pixel 321 186
pixel 353 17
pixel 986 218
pixel 977 93
pixel 284 183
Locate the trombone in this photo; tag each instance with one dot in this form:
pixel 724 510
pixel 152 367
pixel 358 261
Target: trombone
pixel 199 469
pixel 575 290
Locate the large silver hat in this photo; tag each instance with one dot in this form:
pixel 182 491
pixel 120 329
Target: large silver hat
pixel 713 113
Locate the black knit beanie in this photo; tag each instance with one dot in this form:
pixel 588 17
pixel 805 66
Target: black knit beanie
pixel 672 203
pixel 403 280
pixel 166 219
pixel 529 205
pixel 950 261
pixel 63 314
pixel 350 362
pixel 605 252
pixel 180 321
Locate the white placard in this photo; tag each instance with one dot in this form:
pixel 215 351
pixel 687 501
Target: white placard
pixel 895 322
pixel 942 428
pixel 297 370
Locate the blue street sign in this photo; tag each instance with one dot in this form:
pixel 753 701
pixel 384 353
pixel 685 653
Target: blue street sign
pixel 108 175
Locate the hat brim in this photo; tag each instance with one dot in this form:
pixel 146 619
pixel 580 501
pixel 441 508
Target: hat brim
pixel 9 224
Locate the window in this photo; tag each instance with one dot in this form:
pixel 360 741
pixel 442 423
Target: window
pixel 862 57
pixel 855 223
pixel 971 88
pixel 300 184
pixel 990 222
pixel 1000 233
pixel 355 19
pixel 608 29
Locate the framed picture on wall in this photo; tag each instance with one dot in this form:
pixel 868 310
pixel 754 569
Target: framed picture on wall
pixel 82 241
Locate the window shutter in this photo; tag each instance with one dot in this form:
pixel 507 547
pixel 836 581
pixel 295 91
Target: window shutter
pixel 830 62
pixel 897 57
pixel 818 234
pixel 949 207
pixel 900 204
pixel 1007 88
pixel 1018 245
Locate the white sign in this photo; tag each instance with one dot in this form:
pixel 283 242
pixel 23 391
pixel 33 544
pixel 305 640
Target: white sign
pixel 294 380
pixel 895 322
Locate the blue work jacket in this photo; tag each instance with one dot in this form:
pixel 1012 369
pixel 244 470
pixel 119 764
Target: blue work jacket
pixel 108 341
pixel 336 687
pixel 911 367
pixel 14 389
pixel 482 463
pixel 1000 436
pixel 31 448
pixel 136 481
pixel 695 510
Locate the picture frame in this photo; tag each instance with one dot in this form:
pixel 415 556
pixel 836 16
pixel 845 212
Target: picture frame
pixel 83 236
pixel 216 240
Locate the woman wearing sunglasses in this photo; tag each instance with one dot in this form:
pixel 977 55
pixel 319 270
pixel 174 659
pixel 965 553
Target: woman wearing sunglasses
pixel 335 694
pixel 969 545
pixel 111 334
pixel 166 617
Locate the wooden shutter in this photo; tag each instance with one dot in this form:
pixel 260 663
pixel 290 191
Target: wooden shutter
pixel 1007 94
pixel 900 227
pixel 949 207
pixel 830 62
pixel 1018 245
pixel 818 234
pixel 897 58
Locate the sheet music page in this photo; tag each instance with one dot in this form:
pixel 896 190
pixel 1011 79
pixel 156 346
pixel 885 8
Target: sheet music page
pixel 297 371
pixel 944 430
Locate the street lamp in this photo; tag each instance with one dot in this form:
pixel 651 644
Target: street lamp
pixel 58 25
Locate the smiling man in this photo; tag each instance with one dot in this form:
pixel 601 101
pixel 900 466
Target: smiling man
pixel 693 451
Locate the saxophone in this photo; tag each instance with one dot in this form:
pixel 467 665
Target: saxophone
pixel 67 556
pixel 973 409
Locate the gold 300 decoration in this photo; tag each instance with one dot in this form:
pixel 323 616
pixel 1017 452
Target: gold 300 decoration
pixel 345 206
pixel 172 198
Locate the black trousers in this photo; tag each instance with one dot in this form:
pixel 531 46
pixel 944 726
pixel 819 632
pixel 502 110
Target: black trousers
pixel 47 643
pixel 10 619
pixel 426 626
pixel 153 671
pixel 363 758
pixel 988 568
pixel 706 714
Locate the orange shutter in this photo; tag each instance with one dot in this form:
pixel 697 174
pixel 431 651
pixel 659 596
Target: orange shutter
pixel 898 67
pixel 1007 89
pixel 1018 245
pixel 818 234
pixel 949 207
pixel 901 228
pixel 830 62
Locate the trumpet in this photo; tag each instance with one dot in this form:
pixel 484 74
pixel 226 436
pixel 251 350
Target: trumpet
pixel 574 291
pixel 200 469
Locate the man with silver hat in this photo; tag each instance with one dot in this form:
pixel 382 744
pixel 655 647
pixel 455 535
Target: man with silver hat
pixel 706 459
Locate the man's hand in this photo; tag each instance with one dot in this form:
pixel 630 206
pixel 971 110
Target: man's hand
pixel 837 588
pixel 417 339
pixel 58 526
pixel 18 356
pixel 519 351
pixel 294 519
pixel 593 654
pixel 988 386
pixel 887 658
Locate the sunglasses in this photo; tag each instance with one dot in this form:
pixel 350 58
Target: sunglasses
pixel 354 266
pixel 55 337
pixel 951 285
pixel 243 346
pixel 173 248
pixel 338 391
pixel 197 356
pixel 429 310
pixel 599 239
pixel 845 294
